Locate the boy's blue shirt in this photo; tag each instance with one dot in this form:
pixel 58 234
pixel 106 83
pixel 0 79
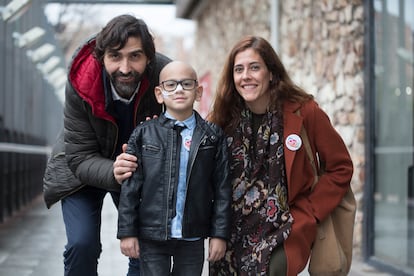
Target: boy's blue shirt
pixel 186 133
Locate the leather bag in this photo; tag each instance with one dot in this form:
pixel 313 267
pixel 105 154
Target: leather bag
pixel 332 250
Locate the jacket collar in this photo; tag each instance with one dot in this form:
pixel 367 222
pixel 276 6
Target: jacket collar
pixel 166 122
pixel 169 123
pixel 85 76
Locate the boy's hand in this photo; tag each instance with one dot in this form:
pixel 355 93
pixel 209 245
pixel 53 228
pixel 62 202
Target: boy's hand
pixel 124 165
pixel 130 247
pixel 216 250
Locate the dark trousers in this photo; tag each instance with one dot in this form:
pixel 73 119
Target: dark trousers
pixel 187 257
pixel 278 262
pixel 82 216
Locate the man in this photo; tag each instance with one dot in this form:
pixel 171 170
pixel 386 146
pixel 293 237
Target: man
pixel 110 90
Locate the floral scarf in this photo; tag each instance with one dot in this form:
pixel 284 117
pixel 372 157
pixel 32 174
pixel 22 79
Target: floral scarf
pixel 261 219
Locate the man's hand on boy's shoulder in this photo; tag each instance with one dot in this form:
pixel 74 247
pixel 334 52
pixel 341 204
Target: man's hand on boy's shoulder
pixel 125 164
pixel 149 118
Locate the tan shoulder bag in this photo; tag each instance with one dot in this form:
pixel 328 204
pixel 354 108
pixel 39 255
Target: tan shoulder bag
pixel 332 250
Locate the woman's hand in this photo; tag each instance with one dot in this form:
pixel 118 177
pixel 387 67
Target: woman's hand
pixel 124 165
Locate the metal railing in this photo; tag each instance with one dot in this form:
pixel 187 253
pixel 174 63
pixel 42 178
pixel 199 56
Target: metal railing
pixel 21 171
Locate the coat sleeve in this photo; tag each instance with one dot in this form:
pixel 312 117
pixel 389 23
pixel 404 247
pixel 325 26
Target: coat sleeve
pixel 81 146
pixel 327 146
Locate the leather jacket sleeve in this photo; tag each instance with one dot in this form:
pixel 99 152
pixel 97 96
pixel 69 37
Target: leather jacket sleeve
pixel 223 191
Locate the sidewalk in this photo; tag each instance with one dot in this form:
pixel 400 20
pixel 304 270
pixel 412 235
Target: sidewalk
pixel 32 244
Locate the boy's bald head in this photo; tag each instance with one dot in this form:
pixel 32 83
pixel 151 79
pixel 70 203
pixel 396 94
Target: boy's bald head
pixel 178 89
pixel 177 68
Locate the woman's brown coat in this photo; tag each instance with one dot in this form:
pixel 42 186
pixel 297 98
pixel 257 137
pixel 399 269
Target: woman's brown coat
pixel 308 207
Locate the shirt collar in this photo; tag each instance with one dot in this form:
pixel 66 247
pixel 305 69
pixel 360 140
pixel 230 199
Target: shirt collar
pixel 188 123
pixel 116 97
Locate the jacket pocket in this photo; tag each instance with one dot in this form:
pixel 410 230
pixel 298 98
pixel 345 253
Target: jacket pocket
pixel 149 149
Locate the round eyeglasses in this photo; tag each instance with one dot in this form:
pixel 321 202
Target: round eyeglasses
pixel 171 85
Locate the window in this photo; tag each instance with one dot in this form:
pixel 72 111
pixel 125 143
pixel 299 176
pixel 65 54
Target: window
pixel 393 134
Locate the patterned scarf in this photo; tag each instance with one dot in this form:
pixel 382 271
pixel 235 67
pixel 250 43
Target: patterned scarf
pixel 261 217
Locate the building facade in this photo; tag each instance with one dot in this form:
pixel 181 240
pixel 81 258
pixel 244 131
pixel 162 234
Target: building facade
pixel 356 58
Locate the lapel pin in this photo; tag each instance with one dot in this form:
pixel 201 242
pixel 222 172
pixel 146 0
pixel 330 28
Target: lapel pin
pixel 293 142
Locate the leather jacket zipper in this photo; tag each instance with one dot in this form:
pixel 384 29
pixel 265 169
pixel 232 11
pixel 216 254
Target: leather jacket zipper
pixel 169 183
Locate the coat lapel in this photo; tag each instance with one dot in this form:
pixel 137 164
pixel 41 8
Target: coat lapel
pixel 292 124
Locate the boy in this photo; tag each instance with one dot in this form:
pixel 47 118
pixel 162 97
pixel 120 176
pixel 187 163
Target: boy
pixel 181 191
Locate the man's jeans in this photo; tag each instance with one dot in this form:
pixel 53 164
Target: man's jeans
pixel 82 216
pixel 155 257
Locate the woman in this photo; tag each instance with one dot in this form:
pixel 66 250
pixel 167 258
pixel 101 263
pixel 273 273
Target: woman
pixel 275 211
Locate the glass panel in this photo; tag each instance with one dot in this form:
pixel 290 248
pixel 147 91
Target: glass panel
pixel 394 151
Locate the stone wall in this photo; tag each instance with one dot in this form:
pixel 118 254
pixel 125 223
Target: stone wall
pixel 321 45
pixel 220 25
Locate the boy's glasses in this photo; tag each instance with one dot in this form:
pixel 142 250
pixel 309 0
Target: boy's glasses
pixel 171 85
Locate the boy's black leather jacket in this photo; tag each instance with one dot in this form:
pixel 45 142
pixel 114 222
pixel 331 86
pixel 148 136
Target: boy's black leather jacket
pixel 148 197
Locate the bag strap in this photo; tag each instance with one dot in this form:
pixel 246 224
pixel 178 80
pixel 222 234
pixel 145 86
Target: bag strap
pixel 306 144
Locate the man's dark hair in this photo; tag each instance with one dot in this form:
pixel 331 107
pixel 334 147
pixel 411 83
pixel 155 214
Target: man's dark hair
pixel 116 33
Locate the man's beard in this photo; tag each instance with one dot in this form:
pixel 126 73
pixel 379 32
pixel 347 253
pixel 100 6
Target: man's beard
pixel 125 89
